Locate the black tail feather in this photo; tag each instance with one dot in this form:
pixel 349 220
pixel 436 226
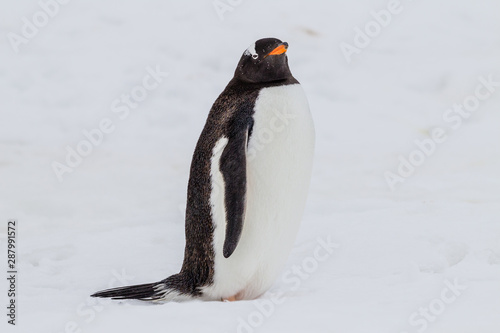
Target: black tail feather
pixel 174 288
pixel 145 292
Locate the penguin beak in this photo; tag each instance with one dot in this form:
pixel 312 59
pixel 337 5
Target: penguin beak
pixel 280 49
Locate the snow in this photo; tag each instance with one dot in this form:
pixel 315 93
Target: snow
pixel 117 218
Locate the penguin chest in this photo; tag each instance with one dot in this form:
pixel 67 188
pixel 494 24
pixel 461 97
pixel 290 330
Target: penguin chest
pixel 279 162
pixel 280 153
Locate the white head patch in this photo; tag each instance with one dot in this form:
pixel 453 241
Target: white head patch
pixel 251 51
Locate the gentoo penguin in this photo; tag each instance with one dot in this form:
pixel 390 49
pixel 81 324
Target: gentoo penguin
pixel 247 188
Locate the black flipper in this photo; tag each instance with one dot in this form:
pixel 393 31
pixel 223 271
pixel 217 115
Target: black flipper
pixel 233 168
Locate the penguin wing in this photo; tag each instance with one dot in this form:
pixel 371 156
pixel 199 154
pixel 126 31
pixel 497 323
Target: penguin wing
pixel 233 167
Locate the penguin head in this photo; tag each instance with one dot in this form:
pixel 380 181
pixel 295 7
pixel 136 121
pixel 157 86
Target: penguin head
pixel 264 61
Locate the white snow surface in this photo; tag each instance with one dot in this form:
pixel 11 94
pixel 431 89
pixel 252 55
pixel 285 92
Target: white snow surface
pixel 121 210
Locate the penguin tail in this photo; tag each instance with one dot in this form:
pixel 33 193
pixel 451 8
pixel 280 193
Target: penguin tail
pixel 141 291
pixel 163 291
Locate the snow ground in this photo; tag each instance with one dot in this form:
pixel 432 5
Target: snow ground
pixel 397 253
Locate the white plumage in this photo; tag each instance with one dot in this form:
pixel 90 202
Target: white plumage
pixel 279 162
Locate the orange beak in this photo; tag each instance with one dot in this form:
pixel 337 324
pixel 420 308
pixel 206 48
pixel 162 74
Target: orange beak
pixel 279 50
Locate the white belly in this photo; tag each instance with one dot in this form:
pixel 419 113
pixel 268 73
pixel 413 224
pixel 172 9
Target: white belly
pixel 279 162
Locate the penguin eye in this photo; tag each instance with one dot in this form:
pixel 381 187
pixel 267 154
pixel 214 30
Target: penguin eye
pixel 255 56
